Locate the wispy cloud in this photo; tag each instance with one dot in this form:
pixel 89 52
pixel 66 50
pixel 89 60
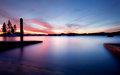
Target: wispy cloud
pixel 38 22
pixel 27 27
pixel 62 15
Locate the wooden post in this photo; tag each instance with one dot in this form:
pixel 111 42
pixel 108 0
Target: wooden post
pixel 21 29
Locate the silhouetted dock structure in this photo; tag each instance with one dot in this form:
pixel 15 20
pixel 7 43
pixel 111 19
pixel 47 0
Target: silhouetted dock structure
pixel 21 29
pixel 5 45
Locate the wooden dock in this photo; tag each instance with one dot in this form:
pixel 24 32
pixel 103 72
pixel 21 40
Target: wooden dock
pixel 5 45
pixel 114 48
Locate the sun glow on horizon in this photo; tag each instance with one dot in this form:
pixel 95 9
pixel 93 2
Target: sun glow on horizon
pixel 56 17
pixel 58 31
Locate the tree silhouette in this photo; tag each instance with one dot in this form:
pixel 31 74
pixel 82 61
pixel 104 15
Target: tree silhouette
pixel 12 30
pixel 4 27
pixel 15 28
pixel 9 29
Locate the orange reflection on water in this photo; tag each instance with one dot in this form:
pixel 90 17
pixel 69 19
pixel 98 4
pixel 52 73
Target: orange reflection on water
pixel 9 38
pixel 59 45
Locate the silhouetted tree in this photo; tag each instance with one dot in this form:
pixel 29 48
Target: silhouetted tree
pixel 9 23
pixel 4 27
pixel 15 28
pixel 12 30
pixel 9 28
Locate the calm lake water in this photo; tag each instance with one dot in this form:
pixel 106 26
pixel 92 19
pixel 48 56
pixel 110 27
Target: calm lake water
pixel 76 55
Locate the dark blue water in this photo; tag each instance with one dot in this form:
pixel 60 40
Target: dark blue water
pixel 79 55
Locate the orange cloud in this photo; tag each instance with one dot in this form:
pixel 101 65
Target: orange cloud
pixel 28 28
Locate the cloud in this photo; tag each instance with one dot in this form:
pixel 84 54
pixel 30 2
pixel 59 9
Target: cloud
pixel 27 27
pixel 112 29
pixel 38 22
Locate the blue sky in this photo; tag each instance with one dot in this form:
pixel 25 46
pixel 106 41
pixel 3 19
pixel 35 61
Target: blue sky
pixel 58 16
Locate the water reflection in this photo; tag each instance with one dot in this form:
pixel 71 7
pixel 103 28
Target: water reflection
pixel 19 68
pixel 21 53
pixel 71 55
pixel 6 38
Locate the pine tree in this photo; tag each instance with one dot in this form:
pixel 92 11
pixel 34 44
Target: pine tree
pixel 4 27
pixel 9 28
pixel 15 28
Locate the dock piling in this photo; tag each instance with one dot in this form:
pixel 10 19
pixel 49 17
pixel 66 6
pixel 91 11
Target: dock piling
pixel 21 29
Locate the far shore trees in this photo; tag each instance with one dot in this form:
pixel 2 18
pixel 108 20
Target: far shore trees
pixel 8 29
